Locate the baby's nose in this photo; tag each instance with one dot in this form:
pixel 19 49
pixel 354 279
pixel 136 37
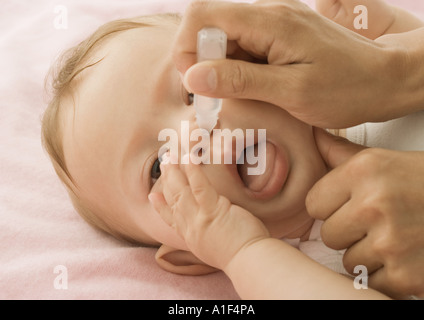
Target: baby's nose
pixel 218 147
pixel 198 146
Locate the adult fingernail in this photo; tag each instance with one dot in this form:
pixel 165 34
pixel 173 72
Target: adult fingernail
pixel 200 79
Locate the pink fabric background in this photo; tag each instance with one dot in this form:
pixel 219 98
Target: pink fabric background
pixel 39 229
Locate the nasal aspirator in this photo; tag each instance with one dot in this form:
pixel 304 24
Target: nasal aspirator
pixel 211 45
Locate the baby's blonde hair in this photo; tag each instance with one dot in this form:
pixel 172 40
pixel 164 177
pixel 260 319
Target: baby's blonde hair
pixel 60 81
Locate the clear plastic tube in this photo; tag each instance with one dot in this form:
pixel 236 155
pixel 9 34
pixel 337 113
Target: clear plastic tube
pixel 211 45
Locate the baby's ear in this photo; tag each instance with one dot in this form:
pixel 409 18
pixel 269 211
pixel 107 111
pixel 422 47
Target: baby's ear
pixel 181 262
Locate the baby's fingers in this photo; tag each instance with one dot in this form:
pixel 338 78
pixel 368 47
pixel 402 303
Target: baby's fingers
pixel 203 192
pixel 176 188
pixel 159 204
pixel 179 198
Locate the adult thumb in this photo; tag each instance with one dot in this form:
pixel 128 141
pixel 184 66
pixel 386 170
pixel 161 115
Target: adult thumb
pixel 335 149
pixel 237 79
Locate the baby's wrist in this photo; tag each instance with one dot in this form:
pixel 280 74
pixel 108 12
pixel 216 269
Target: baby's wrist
pixel 244 255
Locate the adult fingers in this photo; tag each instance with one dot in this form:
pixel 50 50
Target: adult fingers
pixel 254 27
pixel 230 17
pixel 244 80
pixel 329 194
pixel 334 149
pixel 335 189
pixel 380 280
pixel 361 254
pixel 344 228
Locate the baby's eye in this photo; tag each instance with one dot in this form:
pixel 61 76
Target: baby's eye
pixel 188 98
pixel 155 171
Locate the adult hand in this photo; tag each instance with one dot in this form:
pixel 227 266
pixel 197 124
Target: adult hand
pixel 373 204
pixel 285 53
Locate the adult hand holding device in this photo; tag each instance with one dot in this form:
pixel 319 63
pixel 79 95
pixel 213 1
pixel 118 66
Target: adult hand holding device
pixel 285 53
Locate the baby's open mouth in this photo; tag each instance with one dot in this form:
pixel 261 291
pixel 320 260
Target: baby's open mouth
pixel 271 181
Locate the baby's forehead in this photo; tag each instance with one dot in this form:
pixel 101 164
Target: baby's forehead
pixel 123 41
pixel 132 40
pixel 125 76
pixel 130 51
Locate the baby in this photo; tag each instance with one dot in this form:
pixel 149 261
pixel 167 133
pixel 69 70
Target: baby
pixel 113 94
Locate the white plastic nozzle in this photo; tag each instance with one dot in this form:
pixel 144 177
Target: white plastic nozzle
pixel 211 45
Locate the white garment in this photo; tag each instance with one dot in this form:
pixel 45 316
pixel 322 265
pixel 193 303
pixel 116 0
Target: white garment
pixel 403 134
pixel 318 251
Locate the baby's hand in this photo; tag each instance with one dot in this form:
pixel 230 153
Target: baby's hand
pixel 381 16
pixel 213 228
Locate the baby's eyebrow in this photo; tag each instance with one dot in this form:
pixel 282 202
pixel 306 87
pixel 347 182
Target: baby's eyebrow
pixel 163 87
pixel 136 157
pixel 142 145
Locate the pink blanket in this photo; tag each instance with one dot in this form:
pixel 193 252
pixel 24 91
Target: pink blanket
pixel 46 250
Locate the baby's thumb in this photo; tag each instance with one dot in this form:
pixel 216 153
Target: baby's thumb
pixel 334 149
pixel 235 79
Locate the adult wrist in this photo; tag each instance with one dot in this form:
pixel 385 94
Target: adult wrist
pixel 404 71
pixel 415 72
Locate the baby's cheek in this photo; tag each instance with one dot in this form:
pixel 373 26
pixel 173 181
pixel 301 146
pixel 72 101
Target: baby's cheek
pixel 224 182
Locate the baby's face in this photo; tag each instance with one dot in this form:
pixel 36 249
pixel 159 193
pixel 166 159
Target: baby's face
pixel 111 142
